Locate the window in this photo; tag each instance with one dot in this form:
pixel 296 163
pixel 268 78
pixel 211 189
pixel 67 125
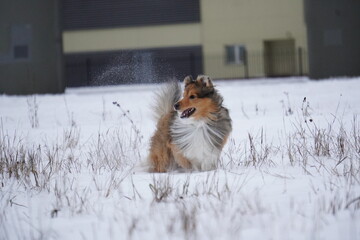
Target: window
pixel 21 52
pixel 235 54
pixel 21 35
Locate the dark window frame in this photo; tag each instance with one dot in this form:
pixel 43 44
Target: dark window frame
pixel 235 54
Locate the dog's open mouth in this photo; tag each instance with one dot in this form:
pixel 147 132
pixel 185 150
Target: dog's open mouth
pixel 187 113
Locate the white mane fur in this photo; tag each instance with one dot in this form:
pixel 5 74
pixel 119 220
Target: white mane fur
pixel 195 142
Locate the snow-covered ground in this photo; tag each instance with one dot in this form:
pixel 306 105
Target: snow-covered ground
pixel 291 169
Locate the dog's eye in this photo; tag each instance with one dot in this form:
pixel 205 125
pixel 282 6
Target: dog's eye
pixel 192 96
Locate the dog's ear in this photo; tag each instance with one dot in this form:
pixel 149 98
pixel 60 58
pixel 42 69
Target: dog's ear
pixel 205 81
pixel 188 80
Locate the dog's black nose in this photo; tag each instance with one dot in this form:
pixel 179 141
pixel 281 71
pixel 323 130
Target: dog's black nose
pixel 177 106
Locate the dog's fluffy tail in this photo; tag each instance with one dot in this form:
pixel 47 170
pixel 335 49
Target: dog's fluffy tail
pixel 165 99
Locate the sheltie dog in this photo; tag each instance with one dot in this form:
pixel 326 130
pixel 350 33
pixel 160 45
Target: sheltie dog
pixel 191 132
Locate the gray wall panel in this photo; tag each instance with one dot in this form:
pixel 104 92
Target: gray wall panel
pixel 31 58
pixel 132 66
pixel 333 28
pixel 79 14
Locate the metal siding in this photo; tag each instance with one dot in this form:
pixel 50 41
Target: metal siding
pixel 333 38
pixel 132 66
pixel 80 14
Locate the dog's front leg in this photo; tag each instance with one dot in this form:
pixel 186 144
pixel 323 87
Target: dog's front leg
pixel 179 157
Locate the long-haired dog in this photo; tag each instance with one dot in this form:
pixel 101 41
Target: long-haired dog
pixel 191 132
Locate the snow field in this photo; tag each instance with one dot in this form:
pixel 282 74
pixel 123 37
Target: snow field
pixel 70 166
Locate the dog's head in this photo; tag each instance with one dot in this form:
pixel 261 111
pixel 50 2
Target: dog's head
pixel 197 100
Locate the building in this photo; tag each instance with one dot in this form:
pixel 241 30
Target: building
pixel 333 28
pixel 47 45
pixel 30 47
pixel 257 38
pixel 110 42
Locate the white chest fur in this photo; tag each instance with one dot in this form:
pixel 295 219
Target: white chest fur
pixel 194 140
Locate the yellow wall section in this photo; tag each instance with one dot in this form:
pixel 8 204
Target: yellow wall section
pixel 131 38
pixel 247 22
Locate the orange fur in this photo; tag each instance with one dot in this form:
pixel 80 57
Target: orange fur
pixel 179 158
pixel 160 153
pixel 204 106
pixel 163 152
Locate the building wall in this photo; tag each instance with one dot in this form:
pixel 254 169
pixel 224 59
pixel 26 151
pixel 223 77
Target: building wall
pixel 250 23
pixel 112 42
pixel 126 38
pixel 211 24
pixel 164 51
pixel 132 66
pixel 333 35
pixel 91 14
pixel 30 51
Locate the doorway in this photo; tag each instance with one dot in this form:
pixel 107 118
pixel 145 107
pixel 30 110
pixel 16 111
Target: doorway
pixel 279 57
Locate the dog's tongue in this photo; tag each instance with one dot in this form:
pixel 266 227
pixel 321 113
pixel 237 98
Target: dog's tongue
pixel 187 113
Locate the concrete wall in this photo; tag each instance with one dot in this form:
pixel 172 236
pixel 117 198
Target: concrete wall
pixel 30 47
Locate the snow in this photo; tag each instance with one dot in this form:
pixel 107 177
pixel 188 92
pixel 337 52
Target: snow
pixel 290 170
